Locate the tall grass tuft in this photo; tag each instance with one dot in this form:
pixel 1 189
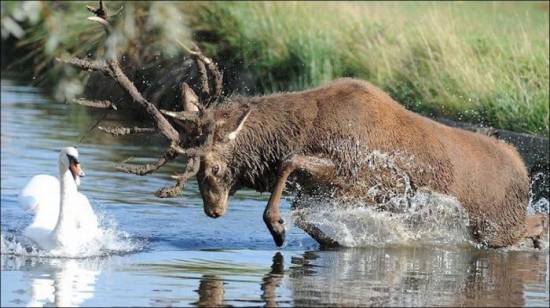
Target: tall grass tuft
pixel 481 62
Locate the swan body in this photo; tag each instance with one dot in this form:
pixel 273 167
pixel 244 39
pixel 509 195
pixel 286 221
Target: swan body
pixel 63 217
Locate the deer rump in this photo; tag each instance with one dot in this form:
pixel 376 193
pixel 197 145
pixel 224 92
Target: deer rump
pixel 325 139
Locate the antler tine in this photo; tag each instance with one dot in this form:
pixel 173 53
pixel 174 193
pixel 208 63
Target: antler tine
pixel 189 99
pixel 95 104
pixel 121 131
pixel 190 152
pixel 149 168
pixel 218 79
pixel 103 22
pixel 193 165
pixel 212 68
pixel 101 12
pixel 203 76
pixel 191 170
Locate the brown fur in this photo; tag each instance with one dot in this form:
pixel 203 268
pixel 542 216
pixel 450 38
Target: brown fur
pixel 345 121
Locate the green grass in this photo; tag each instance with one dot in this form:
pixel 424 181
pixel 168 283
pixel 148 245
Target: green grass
pixel 483 62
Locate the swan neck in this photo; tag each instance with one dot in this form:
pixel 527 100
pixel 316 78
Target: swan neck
pixel 68 191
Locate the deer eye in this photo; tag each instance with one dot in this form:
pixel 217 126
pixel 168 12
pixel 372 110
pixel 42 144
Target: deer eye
pixel 215 169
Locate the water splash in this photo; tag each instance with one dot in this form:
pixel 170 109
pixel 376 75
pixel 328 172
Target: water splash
pixel 400 216
pixel 111 241
pixel 432 219
pixel 540 205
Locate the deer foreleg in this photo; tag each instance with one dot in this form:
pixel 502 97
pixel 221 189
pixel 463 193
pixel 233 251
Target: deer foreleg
pixel 320 168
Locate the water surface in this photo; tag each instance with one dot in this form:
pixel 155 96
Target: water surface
pixel 167 252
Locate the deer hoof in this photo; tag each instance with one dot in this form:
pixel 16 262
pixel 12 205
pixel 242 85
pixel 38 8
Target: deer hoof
pixel 277 230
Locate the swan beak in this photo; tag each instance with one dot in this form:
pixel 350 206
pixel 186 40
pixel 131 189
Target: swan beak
pixel 77 172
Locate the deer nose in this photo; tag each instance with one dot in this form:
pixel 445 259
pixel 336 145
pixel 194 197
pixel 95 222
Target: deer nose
pixel 214 213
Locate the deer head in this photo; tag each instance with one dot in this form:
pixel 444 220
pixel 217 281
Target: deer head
pixel 214 131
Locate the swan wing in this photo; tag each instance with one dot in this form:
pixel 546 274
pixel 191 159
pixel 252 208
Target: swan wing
pixel 40 235
pixel 40 194
pixel 86 219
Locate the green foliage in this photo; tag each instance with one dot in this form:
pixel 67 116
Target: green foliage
pixel 477 61
pixel 481 62
pixel 144 33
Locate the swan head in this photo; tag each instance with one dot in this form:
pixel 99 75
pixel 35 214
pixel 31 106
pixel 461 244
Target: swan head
pixel 68 159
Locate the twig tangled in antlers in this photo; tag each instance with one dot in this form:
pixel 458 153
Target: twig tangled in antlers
pixel 188 119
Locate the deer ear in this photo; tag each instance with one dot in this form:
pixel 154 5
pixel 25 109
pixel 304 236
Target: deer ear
pixel 189 99
pixel 232 135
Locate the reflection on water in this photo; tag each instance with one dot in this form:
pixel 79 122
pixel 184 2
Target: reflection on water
pixel 58 282
pixel 188 259
pixel 272 280
pixel 395 276
pixel 401 276
pixel 210 291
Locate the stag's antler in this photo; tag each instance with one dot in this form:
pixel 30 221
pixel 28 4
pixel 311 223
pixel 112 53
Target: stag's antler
pixel 203 64
pixel 189 118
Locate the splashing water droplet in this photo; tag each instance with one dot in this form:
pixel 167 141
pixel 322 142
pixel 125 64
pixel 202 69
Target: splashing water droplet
pixel 111 241
pixel 433 219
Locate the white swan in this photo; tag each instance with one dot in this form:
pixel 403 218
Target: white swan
pixel 64 219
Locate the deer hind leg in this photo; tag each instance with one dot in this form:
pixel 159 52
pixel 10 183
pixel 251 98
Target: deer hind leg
pixel 537 228
pixel 316 233
pixel 319 168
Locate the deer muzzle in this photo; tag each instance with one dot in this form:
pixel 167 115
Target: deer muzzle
pixel 215 212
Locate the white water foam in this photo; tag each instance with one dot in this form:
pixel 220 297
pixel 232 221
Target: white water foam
pixel 432 219
pixel 111 242
pixel 541 205
pixel 402 216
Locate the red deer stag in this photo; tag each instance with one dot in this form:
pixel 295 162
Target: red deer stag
pixel 323 138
